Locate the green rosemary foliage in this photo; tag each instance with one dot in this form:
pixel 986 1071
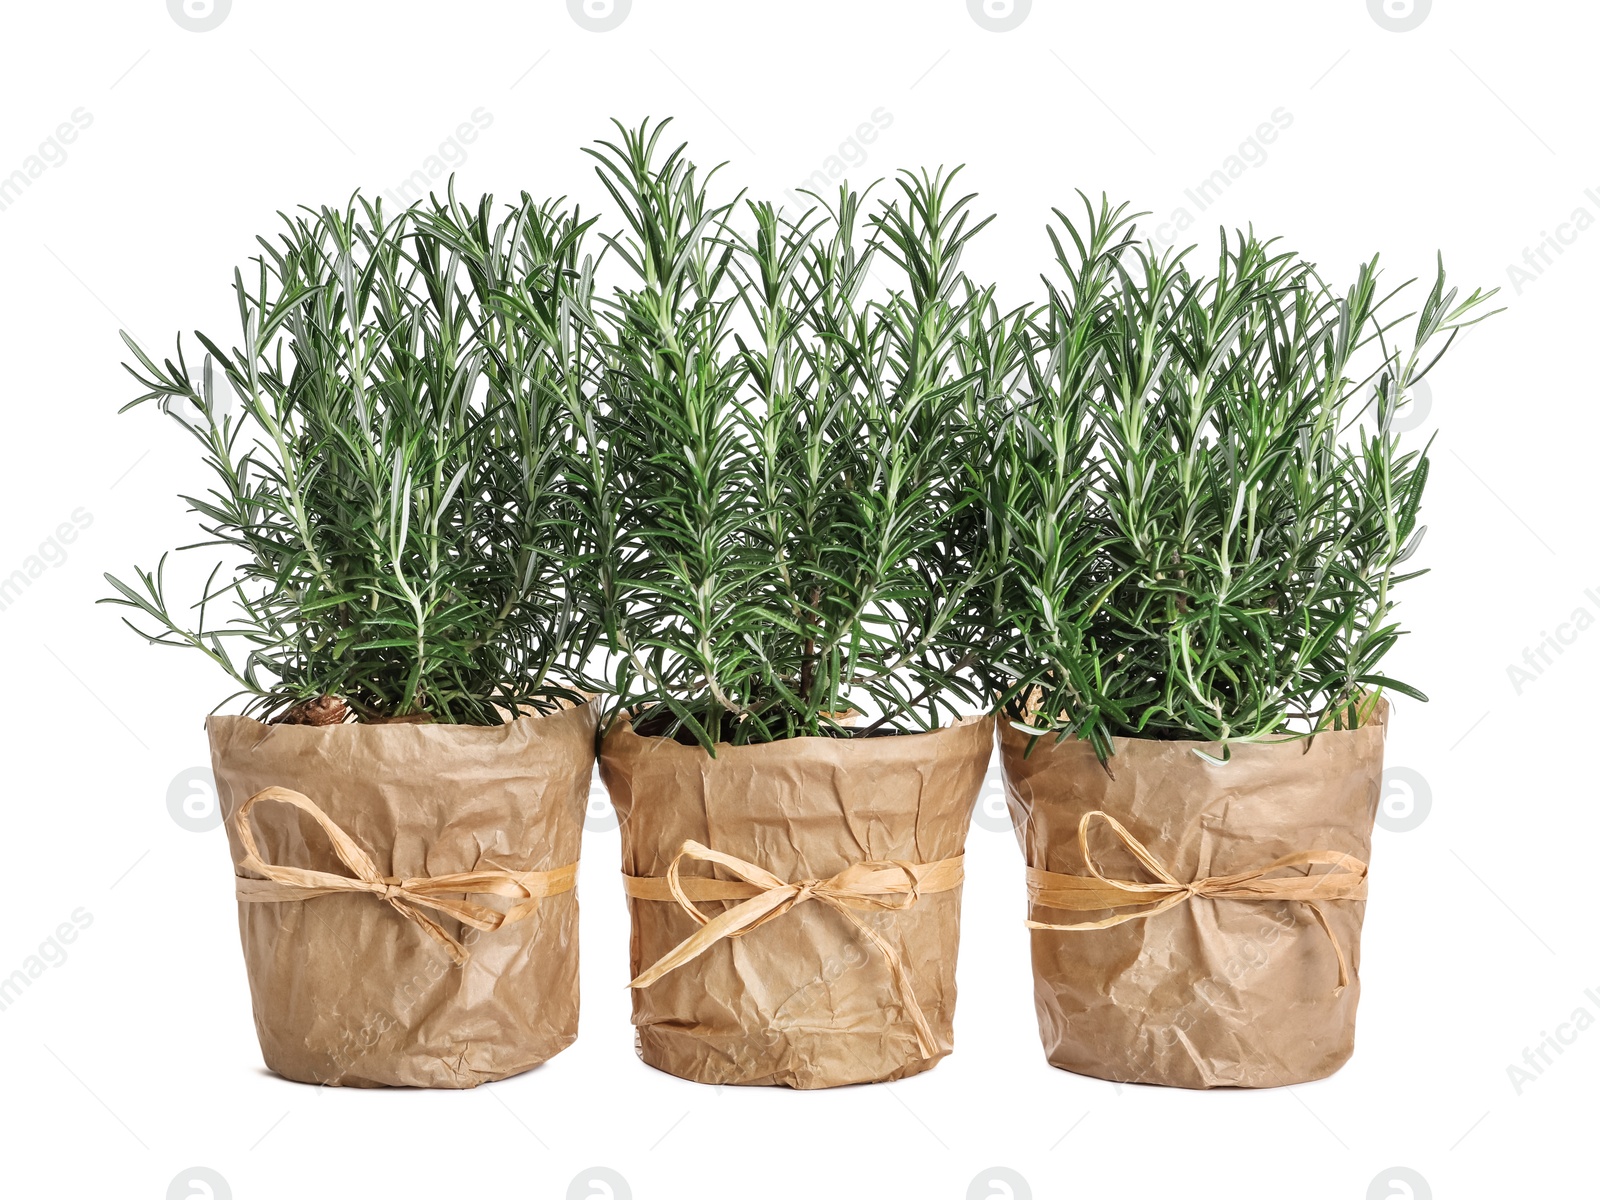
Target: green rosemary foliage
pixel 791 461
pixel 1202 533
pixel 392 494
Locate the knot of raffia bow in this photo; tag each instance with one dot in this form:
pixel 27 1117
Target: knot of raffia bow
pixel 1346 879
pixel 874 884
pixel 408 897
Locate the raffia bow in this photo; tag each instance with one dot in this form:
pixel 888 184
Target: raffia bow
pixel 876 884
pixel 408 897
pixel 1346 880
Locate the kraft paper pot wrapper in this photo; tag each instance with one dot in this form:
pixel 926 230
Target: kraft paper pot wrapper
pixel 347 989
pixel 1215 991
pixel 806 999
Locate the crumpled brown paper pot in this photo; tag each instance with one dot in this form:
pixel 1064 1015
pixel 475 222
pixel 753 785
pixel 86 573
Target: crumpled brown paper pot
pixel 1239 987
pixel 846 973
pixel 350 988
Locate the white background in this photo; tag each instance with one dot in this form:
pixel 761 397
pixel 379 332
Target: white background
pixel 134 1059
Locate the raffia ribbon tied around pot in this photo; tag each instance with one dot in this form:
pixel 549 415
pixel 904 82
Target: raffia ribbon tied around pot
pixel 882 885
pixel 408 897
pixel 1345 880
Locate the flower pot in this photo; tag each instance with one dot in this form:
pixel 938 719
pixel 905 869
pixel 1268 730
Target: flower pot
pixel 1220 941
pixel 406 901
pixel 796 905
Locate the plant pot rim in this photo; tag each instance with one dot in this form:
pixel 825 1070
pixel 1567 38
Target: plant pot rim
pixel 387 728
pixel 1378 719
pixel 623 727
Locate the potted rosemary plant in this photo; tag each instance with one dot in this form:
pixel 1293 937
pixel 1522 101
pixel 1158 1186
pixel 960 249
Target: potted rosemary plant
pixel 405 789
pixel 1206 509
pixel 790 620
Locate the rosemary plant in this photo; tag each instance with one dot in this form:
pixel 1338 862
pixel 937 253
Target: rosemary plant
pixel 1203 534
pixel 392 495
pixel 791 462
